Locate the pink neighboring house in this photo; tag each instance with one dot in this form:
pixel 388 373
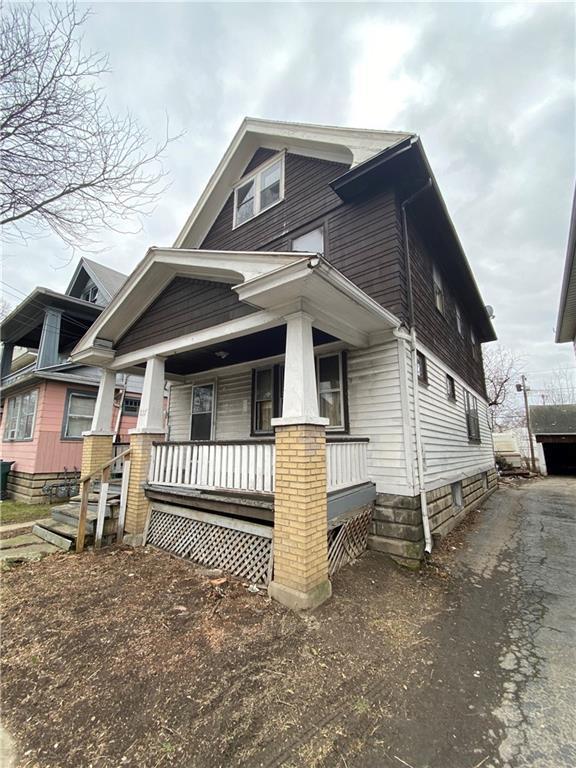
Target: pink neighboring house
pixel 46 401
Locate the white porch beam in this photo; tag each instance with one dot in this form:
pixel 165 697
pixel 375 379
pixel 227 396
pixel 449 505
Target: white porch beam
pixel 102 418
pixel 151 413
pixel 300 403
pixel 259 321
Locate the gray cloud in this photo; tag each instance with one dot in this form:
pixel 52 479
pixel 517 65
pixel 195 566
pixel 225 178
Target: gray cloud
pixel 488 87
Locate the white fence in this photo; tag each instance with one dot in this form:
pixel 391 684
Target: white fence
pixel 247 466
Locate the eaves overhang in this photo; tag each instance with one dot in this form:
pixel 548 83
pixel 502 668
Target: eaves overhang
pixel 406 167
pixel 566 323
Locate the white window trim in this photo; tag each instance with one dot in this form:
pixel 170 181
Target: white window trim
pixel 213 384
pixel 336 427
pixel 18 399
pixel 70 395
pixel 256 177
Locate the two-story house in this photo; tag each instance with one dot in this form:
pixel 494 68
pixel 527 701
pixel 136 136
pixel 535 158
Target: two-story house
pixel 321 331
pixel 47 402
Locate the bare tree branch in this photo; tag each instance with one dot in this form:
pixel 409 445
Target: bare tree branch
pixel 69 165
pixel 502 369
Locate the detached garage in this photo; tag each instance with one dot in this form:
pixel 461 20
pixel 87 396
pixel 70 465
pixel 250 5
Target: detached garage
pixel 554 426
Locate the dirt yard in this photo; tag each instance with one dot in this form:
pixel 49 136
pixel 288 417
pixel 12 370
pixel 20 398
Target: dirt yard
pixel 132 657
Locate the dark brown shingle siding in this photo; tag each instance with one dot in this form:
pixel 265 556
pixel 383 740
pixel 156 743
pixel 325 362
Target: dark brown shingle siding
pixel 185 305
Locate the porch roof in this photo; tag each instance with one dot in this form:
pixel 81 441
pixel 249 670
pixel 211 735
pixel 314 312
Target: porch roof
pixel 275 283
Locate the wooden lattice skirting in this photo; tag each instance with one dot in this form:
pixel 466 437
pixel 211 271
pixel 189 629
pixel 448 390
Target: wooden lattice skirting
pixel 347 541
pixel 241 548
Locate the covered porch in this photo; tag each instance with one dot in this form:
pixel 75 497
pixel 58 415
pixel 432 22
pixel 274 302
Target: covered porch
pixel 279 456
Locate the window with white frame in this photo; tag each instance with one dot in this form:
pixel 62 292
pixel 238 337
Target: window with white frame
pixel 259 192
pixel 202 412
pixel 421 368
pixel 438 290
pixel 90 293
pixel 331 389
pixel 20 414
pixel 459 322
pixel 131 406
pixel 472 420
pixel 311 242
pixel 263 400
pixel 78 414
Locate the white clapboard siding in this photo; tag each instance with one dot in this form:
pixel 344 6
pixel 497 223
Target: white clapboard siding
pixel 233 402
pixel 375 409
pixel 179 412
pixel 448 453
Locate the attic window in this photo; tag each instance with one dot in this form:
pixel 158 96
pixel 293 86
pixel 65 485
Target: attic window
pixel 257 193
pixel 90 293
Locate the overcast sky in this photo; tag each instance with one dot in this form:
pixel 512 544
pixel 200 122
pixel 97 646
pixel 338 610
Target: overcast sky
pixel 489 88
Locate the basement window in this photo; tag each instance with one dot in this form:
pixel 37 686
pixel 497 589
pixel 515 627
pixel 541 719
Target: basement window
pixel 258 192
pixel 457 498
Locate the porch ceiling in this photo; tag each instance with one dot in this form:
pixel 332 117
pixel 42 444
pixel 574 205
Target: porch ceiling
pixel 255 346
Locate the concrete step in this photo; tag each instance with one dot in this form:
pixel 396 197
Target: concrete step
pixel 26 547
pixel 59 534
pixel 72 509
pixel 71 515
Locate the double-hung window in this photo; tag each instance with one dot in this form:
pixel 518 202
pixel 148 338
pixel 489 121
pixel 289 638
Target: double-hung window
pixel 268 388
pixel 20 413
pixel 450 388
pixel 472 420
pixel 474 344
pixel 331 389
pixel 79 413
pixel 90 293
pixel 201 426
pixel 438 290
pixel 421 368
pixel 259 192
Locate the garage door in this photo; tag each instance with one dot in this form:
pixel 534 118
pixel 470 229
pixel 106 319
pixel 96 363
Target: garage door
pixel 560 458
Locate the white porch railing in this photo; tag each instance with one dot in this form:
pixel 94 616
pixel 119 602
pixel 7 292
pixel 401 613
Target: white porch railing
pixel 232 466
pixel 346 464
pixel 248 465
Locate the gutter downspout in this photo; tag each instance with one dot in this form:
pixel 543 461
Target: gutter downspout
pixel 415 385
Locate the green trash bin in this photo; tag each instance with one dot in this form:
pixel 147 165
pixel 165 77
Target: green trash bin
pixel 4 470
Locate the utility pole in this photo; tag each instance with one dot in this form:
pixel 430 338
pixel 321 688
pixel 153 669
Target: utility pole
pixel 524 389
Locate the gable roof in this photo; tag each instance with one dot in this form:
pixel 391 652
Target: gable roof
pixel 406 166
pixel 108 280
pixel 345 145
pixel 566 324
pixel 553 419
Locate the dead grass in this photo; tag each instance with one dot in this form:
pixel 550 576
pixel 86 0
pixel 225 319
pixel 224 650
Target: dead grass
pixel 18 512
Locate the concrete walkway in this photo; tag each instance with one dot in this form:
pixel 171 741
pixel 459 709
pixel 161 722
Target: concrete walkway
pixel 9 527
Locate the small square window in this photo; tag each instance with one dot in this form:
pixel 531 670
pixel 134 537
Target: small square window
pixel 311 242
pixel 421 368
pixel 131 406
pixel 450 387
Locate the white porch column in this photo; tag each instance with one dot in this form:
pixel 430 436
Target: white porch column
pixel 151 413
pixel 300 395
pixel 300 500
pixel 149 429
pixel 97 445
pixel 103 410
